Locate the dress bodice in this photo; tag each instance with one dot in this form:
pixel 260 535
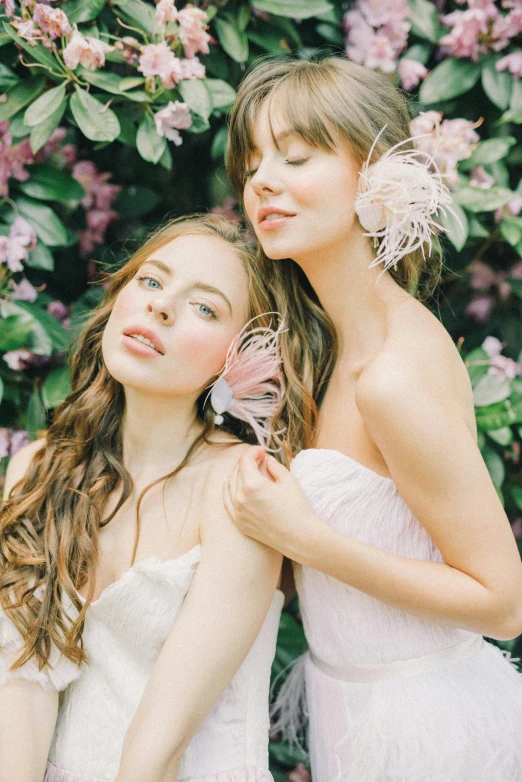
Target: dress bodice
pixel 124 631
pixel 345 624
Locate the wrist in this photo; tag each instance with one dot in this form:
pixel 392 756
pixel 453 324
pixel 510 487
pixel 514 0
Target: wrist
pixel 308 540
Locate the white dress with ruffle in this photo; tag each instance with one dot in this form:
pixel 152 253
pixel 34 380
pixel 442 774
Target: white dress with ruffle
pixel 124 632
pixel 393 697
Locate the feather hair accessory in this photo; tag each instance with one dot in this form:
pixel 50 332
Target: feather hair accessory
pixel 251 386
pixel 397 199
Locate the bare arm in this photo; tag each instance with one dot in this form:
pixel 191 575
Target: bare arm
pixel 222 614
pixel 27 711
pixel 437 467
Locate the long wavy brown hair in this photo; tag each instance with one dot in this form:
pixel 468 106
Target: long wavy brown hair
pixel 323 101
pixel 49 523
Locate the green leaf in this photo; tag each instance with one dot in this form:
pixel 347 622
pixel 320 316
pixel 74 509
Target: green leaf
pixel 8 78
pixel 52 184
pixel 127 127
pixel 14 331
pixel 475 199
pixel 48 226
pixel 233 40
pixel 488 151
pixel 511 229
pixel 223 94
pixel 130 82
pixel 196 95
pixel 420 52
pixel 516 493
pixel 110 82
pixel 477 364
pixel 511 115
pixel 424 20
pixel 55 332
pixel 79 11
pixel 38 52
pixel 166 159
pixel 21 94
pixel 516 285
pixel 295 9
pixel 56 387
pixel 219 144
pixel 496 84
pixel 42 132
pixel 35 418
pixel 137 14
pixel 45 105
pixel 136 201
pixel 502 436
pixel 455 224
pixel 516 95
pixel 17 128
pixel 494 416
pixel 199 124
pixel 476 229
pixel 448 79
pixel 150 145
pixel 41 258
pixel 97 122
pixel 495 466
pixel 491 389
pixel 269 41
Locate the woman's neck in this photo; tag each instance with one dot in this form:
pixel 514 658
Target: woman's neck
pixel 356 297
pixel 157 433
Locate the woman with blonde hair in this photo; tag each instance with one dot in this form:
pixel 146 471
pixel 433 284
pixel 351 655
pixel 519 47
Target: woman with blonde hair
pixel 404 557
pixel 124 586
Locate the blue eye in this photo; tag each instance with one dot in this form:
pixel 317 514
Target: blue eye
pixel 146 278
pixel 206 311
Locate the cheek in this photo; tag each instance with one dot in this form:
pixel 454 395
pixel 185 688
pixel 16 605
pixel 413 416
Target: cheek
pixel 204 351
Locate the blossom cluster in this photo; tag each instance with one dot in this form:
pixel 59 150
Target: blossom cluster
pixel 22 358
pixel 15 248
pixel 500 365
pixel 14 157
pixel 11 440
pixel 446 140
pixel 97 202
pixel 487 282
pixel 480 28
pixel 377 32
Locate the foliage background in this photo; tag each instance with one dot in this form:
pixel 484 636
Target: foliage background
pixel 113 116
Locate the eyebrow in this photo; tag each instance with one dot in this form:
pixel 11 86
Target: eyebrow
pixel 203 286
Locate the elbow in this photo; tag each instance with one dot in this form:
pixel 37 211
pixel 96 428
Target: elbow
pixel 508 622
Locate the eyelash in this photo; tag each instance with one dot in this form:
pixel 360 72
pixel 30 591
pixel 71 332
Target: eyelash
pixel 213 314
pixel 298 162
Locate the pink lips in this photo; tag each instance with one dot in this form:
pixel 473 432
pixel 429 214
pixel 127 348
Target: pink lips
pixel 140 347
pixel 274 222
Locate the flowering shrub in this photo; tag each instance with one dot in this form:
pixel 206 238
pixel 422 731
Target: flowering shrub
pixel 112 115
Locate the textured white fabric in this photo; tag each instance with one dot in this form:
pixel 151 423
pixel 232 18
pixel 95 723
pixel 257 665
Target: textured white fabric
pixel 124 632
pixel 457 723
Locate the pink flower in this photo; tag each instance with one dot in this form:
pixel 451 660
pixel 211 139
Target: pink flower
pixel 504 367
pixel 192 31
pixel 411 73
pixel 57 310
pixel 377 33
pixel 98 193
pixel 470 28
pixel 192 69
pixel 88 52
pixel 156 59
pixel 227 209
pixel 166 12
pixel 19 439
pixel 517 528
pixel 51 21
pixel 129 48
pixel 174 117
pixel 51 146
pixel 24 291
pixel 482 276
pixel 480 308
pixel 479 177
pixel 507 27
pixel 492 346
pixel 13 159
pixel 9 6
pixel 447 141
pixel 512 63
pixel 4 443
pixel 28 31
pixel 300 774
pixel 18 359
pixel 98 220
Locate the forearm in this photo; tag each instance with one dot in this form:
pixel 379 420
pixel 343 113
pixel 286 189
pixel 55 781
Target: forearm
pixel 27 722
pixel 143 757
pixel 425 588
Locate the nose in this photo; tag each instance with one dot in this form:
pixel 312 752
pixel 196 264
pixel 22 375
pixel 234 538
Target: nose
pixel 161 309
pixel 265 181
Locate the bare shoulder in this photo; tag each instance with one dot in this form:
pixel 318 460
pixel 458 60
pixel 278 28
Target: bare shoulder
pixel 221 459
pixel 19 463
pixel 418 361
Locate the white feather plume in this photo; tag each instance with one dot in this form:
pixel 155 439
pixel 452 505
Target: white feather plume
pixel 397 199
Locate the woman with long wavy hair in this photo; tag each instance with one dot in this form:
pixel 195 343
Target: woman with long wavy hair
pixel 113 533
pixel 404 557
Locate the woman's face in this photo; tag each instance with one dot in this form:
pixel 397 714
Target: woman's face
pixel 299 198
pixel 172 324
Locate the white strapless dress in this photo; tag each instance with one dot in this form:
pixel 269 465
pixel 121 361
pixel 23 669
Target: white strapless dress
pixel 124 632
pixel 393 697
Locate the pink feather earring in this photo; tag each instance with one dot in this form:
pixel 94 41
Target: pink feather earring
pixel 397 199
pixel 251 385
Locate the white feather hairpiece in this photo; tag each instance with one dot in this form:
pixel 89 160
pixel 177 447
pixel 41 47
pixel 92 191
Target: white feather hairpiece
pixel 397 199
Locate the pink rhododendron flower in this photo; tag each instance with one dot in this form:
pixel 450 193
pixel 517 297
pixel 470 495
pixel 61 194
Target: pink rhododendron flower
pixel 447 141
pixel 57 310
pixel 12 159
pixel 28 31
pixel 19 439
pixel 492 346
pixel 479 177
pixel 18 359
pixel 482 276
pixel 507 27
pixel 156 59
pixel 411 73
pixel 504 367
pixel 51 21
pixel 192 69
pixel 377 32
pixel 98 220
pixel 512 63
pixel 166 11
pixel 174 117
pixel 9 6
pixel 300 774
pixel 480 308
pixel 192 31
pixel 469 30
pixel 24 291
pixel 88 52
